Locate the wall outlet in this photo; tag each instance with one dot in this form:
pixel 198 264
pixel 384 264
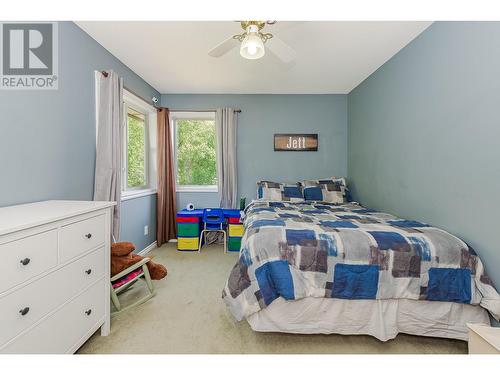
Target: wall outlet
pixel 146 230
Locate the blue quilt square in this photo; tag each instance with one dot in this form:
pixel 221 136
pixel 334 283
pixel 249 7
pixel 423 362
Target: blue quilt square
pixel 313 193
pixel 328 244
pixel 421 247
pixel 322 206
pixel 245 257
pixel 339 224
pixel 274 279
pixel 276 204
pixel 364 211
pixel 355 281
pixel 314 212
pixel 299 236
pixel 390 241
pixel 407 224
pixel 287 215
pixel 263 209
pixel 268 223
pixel 350 217
pixel 293 192
pixel 449 284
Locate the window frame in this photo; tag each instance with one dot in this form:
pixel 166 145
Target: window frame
pixel 125 186
pixel 200 116
pixel 137 104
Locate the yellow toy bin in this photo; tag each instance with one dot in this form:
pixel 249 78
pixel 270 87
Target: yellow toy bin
pixel 187 243
pixel 236 230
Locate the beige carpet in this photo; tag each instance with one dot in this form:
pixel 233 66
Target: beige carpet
pixel 188 316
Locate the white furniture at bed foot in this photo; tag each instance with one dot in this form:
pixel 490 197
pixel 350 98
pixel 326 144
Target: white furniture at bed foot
pixel 54 277
pixel 483 339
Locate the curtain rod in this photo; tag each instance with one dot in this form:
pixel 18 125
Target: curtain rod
pixel 199 110
pixel 105 74
pixel 140 97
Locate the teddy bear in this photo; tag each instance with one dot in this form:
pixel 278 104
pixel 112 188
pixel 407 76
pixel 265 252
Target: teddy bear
pixel 122 257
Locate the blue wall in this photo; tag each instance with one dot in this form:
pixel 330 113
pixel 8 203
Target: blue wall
pixel 47 141
pixel 136 213
pixel 261 117
pixel 424 134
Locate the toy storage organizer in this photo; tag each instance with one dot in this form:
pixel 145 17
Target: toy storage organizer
pixel 189 226
pixel 188 231
pixel 235 231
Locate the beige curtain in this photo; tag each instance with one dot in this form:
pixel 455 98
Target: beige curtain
pixel 109 117
pixel 227 173
pixel 165 206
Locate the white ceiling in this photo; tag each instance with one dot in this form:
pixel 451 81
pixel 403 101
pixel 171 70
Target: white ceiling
pixel 332 57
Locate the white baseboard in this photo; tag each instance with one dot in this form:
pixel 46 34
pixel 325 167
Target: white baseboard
pixel 147 249
pixel 150 247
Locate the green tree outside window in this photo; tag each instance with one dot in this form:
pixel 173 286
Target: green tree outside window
pixel 196 152
pixel 136 176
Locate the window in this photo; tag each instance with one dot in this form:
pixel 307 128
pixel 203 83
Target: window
pixel 136 149
pixel 139 142
pixel 195 151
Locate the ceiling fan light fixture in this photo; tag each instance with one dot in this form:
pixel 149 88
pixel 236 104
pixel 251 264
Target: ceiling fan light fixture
pixel 252 46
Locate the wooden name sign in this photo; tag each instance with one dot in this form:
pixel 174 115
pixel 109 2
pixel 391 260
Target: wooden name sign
pixel 295 142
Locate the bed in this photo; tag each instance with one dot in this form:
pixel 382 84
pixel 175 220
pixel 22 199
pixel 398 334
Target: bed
pixel 315 267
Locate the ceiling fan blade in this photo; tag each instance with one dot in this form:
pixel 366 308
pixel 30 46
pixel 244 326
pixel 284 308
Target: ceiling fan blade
pixel 223 47
pixel 281 50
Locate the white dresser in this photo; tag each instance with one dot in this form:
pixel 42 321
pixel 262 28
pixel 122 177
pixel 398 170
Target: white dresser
pixel 54 275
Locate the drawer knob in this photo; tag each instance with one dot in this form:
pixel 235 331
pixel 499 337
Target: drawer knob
pixel 24 311
pixel 88 272
pixel 25 261
pixel 88 312
pixel 88 235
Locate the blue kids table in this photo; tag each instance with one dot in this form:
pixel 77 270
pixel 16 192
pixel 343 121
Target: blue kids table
pixel 189 225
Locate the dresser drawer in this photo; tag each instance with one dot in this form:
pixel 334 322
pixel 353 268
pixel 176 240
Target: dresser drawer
pixel 26 258
pixel 82 236
pixel 65 328
pixel 46 294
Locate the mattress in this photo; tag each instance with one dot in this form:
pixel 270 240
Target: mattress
pixel 383 319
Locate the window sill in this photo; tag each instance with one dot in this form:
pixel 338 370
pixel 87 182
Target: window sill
pixel 133 194
pixel 196 189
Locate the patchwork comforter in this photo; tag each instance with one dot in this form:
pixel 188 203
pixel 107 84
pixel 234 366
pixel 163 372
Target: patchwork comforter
pixel 297 250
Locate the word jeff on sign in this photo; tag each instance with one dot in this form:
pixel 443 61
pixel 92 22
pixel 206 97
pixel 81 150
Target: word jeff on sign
pixel 295 142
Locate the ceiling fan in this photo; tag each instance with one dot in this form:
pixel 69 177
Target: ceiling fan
pixel 252 41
